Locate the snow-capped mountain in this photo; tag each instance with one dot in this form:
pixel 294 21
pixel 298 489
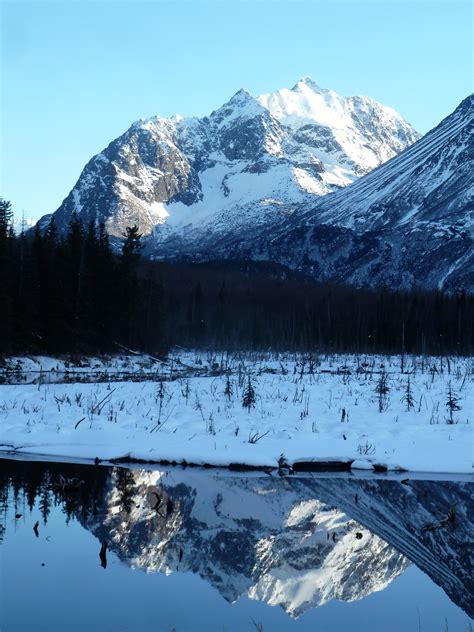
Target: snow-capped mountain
pixel 409 222
pixel 272 539
pixel 338 188
pixel 247 164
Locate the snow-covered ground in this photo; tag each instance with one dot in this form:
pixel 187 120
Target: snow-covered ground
pixel 319 408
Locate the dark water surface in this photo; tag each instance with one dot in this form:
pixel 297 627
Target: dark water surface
pixel 186 549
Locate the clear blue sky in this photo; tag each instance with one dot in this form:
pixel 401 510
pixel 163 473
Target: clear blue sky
pixel 76 74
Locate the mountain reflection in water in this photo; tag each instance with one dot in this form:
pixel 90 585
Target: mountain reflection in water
pixel 296 542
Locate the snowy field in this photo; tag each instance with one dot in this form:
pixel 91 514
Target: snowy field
pixel 190 407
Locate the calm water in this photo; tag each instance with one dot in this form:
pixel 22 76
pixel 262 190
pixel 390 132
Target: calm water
pixel 184 549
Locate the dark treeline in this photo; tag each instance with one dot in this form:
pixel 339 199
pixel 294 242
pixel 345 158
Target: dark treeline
pixel 262 305
pixel 72 294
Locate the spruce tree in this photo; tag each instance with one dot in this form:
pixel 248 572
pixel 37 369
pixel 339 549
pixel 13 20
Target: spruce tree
pixel 249 396
pixel 382 389
pixel 6 217
pixel 75 260
pixel 229 389
pixel 131 248
pixel 130 288
pixel 7 268
pixel 107 299
pixel 452 403
pixel 408 396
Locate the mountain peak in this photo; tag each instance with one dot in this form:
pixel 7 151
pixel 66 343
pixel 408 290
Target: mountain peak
pixel 307 82
pixel 241 96
pixel 247 165
pixel 241 105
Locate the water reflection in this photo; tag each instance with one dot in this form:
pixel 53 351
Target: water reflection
pixel 296 542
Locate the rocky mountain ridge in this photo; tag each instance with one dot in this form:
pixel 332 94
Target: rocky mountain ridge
pixel 408 223
pixel 342 189
pixel 247 162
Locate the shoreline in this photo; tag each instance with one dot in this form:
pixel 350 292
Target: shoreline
pixel 246 471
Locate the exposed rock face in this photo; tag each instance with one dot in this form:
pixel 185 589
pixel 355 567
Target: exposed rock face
pixel 252 180
pixel 409 222
pixel 260 155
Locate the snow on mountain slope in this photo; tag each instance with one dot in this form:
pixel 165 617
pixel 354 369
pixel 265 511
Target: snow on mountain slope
pixel 246 164
pixel 409 222
pixel 351 135
pixel 433 181
pixel 250 181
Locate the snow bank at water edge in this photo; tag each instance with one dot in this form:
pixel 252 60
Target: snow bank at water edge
pixel 344 409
